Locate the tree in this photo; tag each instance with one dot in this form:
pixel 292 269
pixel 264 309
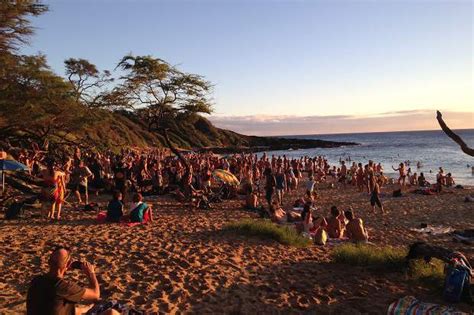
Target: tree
pixel 159 92
pixel 37 102
pixel 464 147
pixel 89 84
pixel 15 27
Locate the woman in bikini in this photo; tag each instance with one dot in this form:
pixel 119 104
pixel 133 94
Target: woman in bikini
pixel 53 189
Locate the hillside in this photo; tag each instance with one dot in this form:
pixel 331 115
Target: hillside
pixel 119 129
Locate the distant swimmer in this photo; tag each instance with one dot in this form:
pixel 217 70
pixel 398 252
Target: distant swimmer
pixel 418 164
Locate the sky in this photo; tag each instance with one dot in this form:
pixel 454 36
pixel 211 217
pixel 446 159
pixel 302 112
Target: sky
pixel 289 67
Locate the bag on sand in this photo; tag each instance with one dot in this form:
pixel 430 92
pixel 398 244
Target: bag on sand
pixel 13 211
pixel 91 207
pixel 456 282
pixel 321 237
pixel 397 193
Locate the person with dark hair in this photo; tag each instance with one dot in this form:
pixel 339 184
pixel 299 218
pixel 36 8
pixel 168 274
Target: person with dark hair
pixel 115 208
pixel 51 294
pixel 335 227
pixel 139 210
pixel 375 195
pixel 422 180
pixel 270 183
pixel 355 229
pixel 402 175
pixel 450 180
pixel 79 181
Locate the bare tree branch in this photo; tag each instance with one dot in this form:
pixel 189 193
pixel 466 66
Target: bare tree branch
pixel 464 147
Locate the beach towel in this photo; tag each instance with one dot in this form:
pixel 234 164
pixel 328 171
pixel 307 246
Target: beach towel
pixel 409 305
pixel 102 218
pixel 337 241
pixel 433 230
pixel 466 235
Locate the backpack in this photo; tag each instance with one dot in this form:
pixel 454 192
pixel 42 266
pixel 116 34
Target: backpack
pixel 397 193
pixel 91 207
pixel 321 237
pixel 457 281
pixel 13 211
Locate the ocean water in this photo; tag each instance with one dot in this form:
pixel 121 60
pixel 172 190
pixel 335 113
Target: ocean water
pixel 432 148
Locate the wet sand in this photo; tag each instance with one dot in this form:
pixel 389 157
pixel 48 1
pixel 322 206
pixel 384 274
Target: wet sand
pixel 183 263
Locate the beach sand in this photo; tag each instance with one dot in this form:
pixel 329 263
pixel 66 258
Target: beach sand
pixel 183 263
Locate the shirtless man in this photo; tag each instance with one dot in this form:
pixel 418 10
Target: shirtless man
pixel 403 175
pixel 343 174
pixel 355 229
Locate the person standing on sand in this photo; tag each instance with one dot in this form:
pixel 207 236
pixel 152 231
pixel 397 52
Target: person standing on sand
pixel 343 174
pixel 270 184
pixel 403 175
pixel 280 184
pixel 53 189
pixel 375 195
pixel 79 179
pixel 360 177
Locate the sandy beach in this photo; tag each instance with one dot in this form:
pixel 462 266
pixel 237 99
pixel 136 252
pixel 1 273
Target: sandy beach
pixel 183 263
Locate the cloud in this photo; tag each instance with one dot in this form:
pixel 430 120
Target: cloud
pixel 305 125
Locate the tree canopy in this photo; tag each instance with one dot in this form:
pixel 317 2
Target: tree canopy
pixel 159 92
pixel 15 26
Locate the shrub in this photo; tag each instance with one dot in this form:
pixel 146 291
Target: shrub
pixel 431 274
pixel 369 255
pixel 265 229
pixel 392 258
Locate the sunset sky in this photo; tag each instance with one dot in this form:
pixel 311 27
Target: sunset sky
pixel 289 67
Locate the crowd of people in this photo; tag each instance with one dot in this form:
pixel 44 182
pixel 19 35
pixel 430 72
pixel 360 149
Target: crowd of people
pixel 266 183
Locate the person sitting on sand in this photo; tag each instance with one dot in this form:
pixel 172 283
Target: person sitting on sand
pixel 277 214
pixel 51 294
pixel 115 208
pixel 422 180
pixel 139 209
pixel 251 201
pixel 355 229
pixel 335 224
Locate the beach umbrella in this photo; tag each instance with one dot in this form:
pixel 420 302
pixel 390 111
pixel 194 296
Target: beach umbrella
pixel 226 177
pixel 10 165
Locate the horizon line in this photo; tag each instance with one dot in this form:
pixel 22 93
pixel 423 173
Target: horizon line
pixel 350 133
